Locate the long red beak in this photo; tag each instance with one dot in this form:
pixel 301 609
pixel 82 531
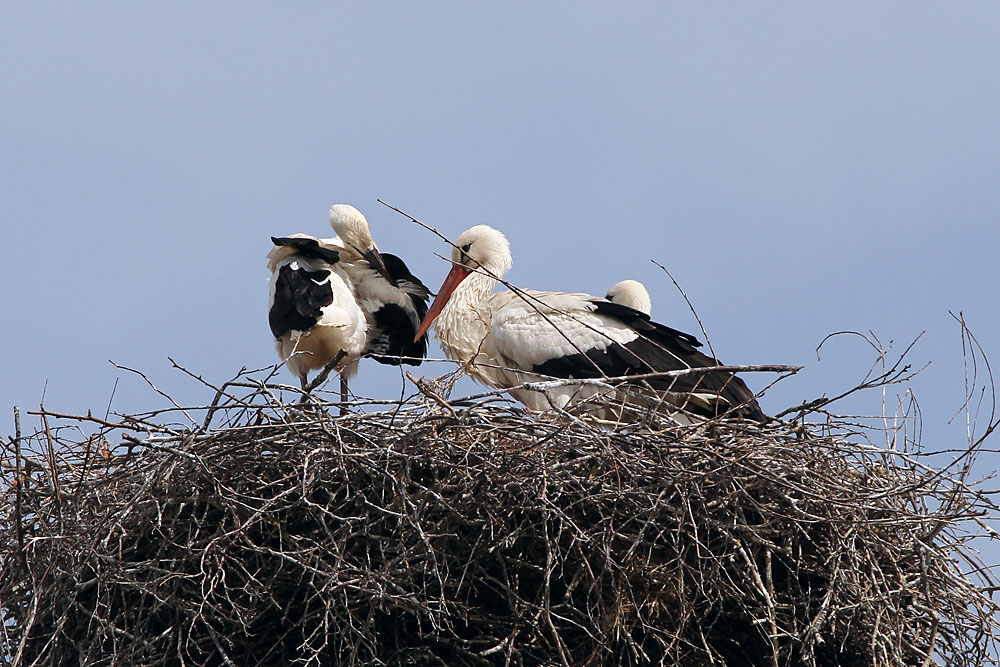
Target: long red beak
pixel 457 274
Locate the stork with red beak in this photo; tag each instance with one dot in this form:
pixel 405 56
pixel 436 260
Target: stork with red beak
pixel 508 339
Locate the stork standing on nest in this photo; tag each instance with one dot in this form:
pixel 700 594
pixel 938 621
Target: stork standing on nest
pixel 338 299
pixel 510 338
pixel 313 313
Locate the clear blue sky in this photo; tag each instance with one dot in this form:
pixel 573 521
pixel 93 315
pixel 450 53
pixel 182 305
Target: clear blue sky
pixel 800 168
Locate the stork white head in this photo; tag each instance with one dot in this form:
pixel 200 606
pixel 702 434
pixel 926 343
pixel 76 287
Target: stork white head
pixel 631 293
pixel 352 228
pixel 477 247
pixel 482 246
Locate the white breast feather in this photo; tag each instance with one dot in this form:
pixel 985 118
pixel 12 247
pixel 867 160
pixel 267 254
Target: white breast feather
pixel 344 311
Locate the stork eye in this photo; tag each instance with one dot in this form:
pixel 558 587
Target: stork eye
pixel 466 247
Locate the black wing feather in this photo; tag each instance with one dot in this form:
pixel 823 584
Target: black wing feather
pixel 417 291
pixel 398 270
pixel 639 320
pixel 299 298
pixel 658 348
pixel 391 337
pixel 308 248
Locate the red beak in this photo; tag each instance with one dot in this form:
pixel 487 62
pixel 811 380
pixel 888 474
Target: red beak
pixel 457 274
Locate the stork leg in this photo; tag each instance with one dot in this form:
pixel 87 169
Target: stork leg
pixel 343 395
pixel 305 388
pixel 324 374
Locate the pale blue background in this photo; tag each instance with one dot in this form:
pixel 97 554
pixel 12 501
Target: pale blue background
pixel 801 168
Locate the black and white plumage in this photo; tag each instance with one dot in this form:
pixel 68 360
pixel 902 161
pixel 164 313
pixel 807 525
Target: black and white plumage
pixel 513 338
pixel 393 300
pixel 395 316
pixel 312 310
pixel 335 300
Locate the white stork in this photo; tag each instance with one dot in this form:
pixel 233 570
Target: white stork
pixel 313 313
pixel 510 338
pixel 631 293
pixel 393 299
pixel 338 299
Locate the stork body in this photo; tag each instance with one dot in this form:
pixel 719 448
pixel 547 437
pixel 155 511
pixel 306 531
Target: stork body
pixel 312 311
pixel 631 293
pixel 335 300
pixel 510 338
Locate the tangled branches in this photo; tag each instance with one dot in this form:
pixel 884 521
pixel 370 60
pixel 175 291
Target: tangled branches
pixel 473 533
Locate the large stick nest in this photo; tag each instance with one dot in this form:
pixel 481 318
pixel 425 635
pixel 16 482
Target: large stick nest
pixel 473 533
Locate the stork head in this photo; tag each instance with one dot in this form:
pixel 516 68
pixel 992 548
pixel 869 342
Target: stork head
pixel 352 228
pixel 631 293
pixel 479 247
pixel 482 246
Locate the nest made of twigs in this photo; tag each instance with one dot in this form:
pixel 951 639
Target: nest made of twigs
pixel 437 533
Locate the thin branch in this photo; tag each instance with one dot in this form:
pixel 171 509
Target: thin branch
pixel 18 484
pixel 708 341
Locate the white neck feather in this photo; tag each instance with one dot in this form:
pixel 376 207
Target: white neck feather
pixel 463 324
